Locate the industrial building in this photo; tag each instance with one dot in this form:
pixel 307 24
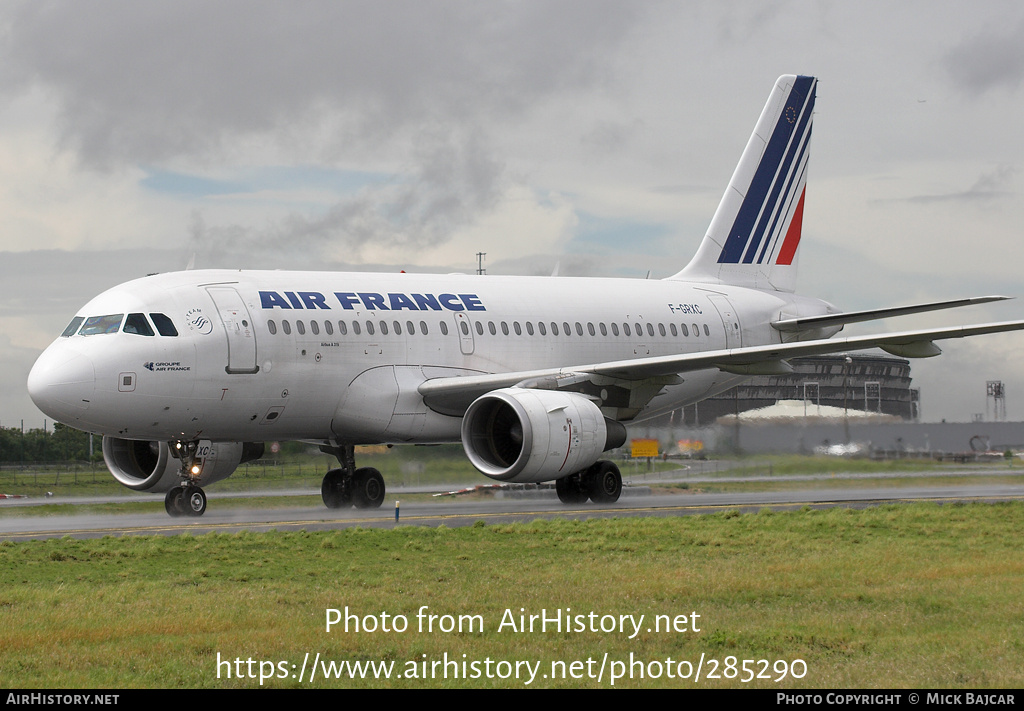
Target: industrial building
pixel 872 382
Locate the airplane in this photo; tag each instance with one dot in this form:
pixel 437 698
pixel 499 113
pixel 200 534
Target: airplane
pixel 186 374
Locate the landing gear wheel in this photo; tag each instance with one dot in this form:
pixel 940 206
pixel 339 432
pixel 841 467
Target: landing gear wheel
pixel 193 501
pixel 367 488
pixel 336 490
pixel 570 490
pixel 173 503
pixel 605 483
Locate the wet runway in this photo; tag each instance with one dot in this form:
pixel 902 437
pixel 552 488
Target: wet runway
pixel 636 501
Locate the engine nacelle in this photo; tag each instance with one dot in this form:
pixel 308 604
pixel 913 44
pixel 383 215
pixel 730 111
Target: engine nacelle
pixel 150 466
pixel 522 435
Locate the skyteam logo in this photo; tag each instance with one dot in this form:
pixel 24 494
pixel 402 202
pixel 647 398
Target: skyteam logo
pixel 198 322
pixel 768 223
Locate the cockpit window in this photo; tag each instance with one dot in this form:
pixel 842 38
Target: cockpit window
pixel 164 325
pixel 95 325
pixel 73 326
pixel 137 324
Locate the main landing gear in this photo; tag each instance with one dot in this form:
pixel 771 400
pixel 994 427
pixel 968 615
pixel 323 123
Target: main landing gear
pixel 348 486
pixel 187 499
pixel 601 483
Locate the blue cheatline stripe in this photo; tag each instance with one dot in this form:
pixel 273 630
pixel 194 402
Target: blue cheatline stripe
pixel 771 210
pixel 780 148
pixel 791 194
pixel 776 176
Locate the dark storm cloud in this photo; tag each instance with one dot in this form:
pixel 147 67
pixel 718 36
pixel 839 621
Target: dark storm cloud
pixel 143 82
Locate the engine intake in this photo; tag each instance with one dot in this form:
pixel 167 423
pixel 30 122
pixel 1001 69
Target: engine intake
pixel 151 466
pixel 523 435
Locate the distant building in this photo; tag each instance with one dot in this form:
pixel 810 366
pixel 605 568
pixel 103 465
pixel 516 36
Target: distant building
pixel 869 382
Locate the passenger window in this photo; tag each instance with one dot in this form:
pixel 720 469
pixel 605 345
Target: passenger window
pixel 686 331
pixel 300 327
pixel 97 325
pixel 272 327
pixel 356 328
pixel 286 327
pixel 650 330
pixel 554 328
pixel 672 326
pixel 615 329
pixel 369 328
pixel 661 329
pixel 465 328
pixel 579 329
pixel 504 328
pixel 625 329
pixel 565 328
pixel 164 325
pixel 73 326
pixel 137 324
pixel 517 328
pixel 529 327
pixel 329 327
pixel 314 327
pixel 604 329
pixel 410 328
pixel 383 328
pixel 423 329
pixel 543 328
pixel 444 328
pixel 590 329
pixel 696 331
pixel 342 328
pixel 479 328
pixel 398 328
pixel 706 331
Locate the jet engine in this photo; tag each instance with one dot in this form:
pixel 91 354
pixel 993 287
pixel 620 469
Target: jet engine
pixel 151 466
pixel 523 435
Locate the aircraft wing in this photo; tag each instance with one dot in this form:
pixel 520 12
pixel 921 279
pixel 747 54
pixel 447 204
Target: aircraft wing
pixel 452 395
pixel 845 317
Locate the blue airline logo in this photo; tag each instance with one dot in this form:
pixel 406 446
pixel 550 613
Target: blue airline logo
pixel 371 301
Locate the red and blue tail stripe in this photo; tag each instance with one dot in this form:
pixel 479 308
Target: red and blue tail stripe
pixel 767 224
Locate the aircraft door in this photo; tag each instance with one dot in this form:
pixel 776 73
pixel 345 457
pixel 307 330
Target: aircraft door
pixel 234 315
pixel 465 328
pixel 730 320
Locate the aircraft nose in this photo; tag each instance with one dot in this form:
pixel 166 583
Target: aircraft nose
pixel 62 382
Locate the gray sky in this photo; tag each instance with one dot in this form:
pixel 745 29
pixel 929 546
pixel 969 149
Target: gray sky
pixel 596 135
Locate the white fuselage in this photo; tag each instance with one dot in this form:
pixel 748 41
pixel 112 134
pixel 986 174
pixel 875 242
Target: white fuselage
pixel 262 356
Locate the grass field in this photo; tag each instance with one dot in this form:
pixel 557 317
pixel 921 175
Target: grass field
pixel 916 595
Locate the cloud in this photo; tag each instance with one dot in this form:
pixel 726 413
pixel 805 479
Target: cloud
pixel 989 60
pixel 453 180
pixel 988 186
pixel 145 82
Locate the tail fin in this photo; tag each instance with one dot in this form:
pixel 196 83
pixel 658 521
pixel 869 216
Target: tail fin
pixel 754 235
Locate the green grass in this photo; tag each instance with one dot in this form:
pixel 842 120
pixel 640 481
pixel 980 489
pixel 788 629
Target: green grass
pixel 894 596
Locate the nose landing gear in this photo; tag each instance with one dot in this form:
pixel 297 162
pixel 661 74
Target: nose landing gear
pixel 188 499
